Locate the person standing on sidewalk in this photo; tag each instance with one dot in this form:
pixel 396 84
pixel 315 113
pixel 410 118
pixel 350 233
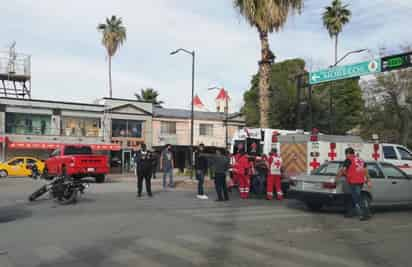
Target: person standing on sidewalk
pixel 201 167
pixel 167 165
pixel 354 170
pixel 220 164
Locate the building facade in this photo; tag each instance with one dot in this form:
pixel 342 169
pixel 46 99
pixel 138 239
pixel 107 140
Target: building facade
pixel 114 127
pixel 173 126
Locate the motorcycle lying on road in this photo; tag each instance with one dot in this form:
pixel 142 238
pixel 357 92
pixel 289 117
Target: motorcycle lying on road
pixel 63 189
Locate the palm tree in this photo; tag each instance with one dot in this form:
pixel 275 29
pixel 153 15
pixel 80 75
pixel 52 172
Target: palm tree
pixel 266 16
pixel 149 95
pixel 113 35
pixel 334 18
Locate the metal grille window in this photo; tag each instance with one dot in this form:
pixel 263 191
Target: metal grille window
pixel 168 127
pixel 206 129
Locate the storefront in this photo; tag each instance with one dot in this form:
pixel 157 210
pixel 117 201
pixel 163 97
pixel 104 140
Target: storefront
pixel 79 127
pixel 28 124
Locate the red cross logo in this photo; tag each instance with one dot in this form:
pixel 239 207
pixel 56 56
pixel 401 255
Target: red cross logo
pixel 315 164
pixel 332 154
pixel 277 164
pixel 376 155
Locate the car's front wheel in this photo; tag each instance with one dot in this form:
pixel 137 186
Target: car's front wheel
pixel 314 206
pixel 3 174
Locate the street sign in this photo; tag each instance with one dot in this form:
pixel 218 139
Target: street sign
pixel 397 62
pixel 345 72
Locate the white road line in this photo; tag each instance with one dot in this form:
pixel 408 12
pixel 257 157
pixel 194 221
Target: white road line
pixel 173 249
pixel 255 217
pixel 53 253
pixel 311 255
pixel 244 213
pixel 233 210
pixel 129 258
pixel 242 252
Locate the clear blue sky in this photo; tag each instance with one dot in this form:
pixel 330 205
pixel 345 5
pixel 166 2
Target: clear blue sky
pixel 69 63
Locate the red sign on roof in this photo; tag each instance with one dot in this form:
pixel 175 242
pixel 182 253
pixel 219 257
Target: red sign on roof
pixel 197 101
pixel 223 95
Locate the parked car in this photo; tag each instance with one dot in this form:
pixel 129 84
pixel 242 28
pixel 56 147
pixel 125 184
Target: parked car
pixel 20 166
pixel 390 186
pixel 77 161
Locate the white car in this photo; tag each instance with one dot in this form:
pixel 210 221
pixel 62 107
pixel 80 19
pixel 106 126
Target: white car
pixel 390 186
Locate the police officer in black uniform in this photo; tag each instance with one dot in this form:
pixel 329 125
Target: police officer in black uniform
pixel 144 170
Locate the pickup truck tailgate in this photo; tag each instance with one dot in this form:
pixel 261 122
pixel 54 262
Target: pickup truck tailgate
pixel 90 161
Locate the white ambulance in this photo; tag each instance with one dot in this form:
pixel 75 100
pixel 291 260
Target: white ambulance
pixel 303 152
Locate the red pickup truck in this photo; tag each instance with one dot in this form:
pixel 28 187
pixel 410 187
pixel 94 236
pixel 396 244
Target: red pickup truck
pixel 76 161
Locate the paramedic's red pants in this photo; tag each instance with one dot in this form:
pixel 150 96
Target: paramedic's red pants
pixel 244 185
pixel 274 181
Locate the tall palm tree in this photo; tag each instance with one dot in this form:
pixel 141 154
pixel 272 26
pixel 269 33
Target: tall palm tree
pixel 149 95
pixel 266 16
pixel 334 18
pixel 113 35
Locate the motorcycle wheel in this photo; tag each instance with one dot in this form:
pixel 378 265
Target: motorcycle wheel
pixel 69 197
pixel 38 193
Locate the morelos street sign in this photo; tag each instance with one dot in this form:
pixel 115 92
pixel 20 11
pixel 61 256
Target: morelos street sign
pixel 345 72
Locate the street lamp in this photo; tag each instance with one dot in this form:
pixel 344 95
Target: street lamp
pixel 226 113
pixel 330 91
pixel 192 107
pixel 347 54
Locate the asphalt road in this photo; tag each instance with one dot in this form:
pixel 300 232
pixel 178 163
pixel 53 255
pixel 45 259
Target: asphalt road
pixel 110 227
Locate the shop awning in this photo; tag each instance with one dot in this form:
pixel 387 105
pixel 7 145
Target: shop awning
pixel 38 145
pixel 3 139
pixel 107 147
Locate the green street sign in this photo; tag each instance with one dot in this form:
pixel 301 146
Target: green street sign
pixel 345 72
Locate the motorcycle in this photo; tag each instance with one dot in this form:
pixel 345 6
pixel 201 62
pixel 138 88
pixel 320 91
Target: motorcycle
pixel 64 190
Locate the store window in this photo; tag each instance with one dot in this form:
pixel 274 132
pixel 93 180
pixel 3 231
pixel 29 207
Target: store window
pixel 206 129
pixel 127 128
pixel 73 126
pixel 168 128
pixel 18 123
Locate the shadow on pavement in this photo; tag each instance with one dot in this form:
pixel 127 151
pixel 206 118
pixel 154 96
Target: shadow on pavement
pixel 13 213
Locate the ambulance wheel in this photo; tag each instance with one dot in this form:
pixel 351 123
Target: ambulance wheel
pixel 314 206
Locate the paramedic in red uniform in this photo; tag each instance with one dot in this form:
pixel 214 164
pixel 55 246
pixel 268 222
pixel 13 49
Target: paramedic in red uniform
pixel 274 176
pixel 242 170
pixel 234 177
pixel 354 170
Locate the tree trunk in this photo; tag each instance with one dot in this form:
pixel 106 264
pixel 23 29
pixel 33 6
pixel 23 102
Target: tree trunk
pixel 264 80
pixel 110 77
pixel 336 48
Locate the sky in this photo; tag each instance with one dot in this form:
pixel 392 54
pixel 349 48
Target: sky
pixel 69 63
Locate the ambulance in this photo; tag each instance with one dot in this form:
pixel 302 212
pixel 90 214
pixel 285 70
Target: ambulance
pixel 303 152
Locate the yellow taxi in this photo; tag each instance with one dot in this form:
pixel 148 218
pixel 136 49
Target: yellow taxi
pixel 20 166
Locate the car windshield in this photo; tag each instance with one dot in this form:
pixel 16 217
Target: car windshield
pixel 76 150
pixel 328 169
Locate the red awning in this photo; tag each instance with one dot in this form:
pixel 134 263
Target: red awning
pixel 107 147
pixel 32 145
pixel 3 139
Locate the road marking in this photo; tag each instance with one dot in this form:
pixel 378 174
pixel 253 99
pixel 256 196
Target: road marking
pixel 271 209
pixel 311 255
pixel 241 213
pixel 174 250
pixel 53 253
pixel 129 258
pixel 255 217
pixel 241 252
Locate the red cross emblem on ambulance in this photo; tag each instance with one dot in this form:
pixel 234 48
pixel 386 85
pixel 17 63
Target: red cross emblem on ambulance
pixel 315 164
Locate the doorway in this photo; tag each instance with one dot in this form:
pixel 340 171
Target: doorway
pixel 127 161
